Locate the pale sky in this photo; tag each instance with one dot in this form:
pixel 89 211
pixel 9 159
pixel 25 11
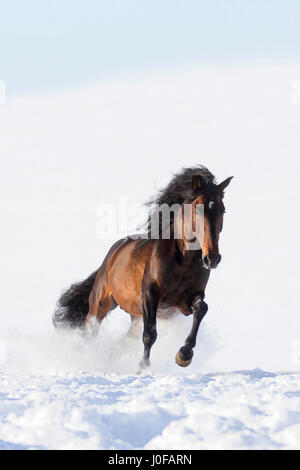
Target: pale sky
pixel 58 44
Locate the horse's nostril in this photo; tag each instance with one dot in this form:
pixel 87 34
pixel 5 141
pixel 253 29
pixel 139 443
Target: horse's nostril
pixel 206 260
pixel 211 261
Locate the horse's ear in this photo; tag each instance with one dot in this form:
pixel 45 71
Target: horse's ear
pixel 196 182
pixel 225 183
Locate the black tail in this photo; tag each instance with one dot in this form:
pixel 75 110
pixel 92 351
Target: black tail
pixel 73 306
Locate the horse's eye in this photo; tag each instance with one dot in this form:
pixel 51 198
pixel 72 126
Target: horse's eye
pixel 211 204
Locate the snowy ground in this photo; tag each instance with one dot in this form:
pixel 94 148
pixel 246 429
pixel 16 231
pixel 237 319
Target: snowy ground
pixel 237 410
pixel 64 392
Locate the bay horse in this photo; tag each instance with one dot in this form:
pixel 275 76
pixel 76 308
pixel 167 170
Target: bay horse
pixel 151 276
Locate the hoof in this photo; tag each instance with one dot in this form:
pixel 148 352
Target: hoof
pixel 143 371
pixel 181 362
pixel 144 367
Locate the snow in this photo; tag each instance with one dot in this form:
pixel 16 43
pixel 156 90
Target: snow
pixel 69 392
pixel 237 410
pixel 66 153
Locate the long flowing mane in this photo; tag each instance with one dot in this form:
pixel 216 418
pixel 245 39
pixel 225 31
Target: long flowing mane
pixel 180 190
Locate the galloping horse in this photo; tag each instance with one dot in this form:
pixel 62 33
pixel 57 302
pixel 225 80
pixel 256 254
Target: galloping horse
pixel 147 276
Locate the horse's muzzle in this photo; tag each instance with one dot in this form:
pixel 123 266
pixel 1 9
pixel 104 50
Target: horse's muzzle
pixel 211 261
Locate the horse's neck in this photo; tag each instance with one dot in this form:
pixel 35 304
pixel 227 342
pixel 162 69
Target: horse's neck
pixel 185 253
pixel 182 227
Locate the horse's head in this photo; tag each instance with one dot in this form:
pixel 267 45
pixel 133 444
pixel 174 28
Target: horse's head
pixel 206 221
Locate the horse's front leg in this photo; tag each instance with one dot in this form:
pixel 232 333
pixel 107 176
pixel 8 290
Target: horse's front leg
pixel 150 304
pixel 185 354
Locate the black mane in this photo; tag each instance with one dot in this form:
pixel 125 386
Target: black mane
pixel 181 190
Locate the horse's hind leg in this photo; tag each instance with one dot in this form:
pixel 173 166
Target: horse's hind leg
pixel 99 305
pixel 135 328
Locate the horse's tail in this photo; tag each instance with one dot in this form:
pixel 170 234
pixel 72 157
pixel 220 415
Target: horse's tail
pixel 73 305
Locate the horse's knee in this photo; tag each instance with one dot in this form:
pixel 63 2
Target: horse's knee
pixel 199 307
pixel 149 337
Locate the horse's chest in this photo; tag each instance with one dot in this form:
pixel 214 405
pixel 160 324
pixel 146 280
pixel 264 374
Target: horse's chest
pixel 175 282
